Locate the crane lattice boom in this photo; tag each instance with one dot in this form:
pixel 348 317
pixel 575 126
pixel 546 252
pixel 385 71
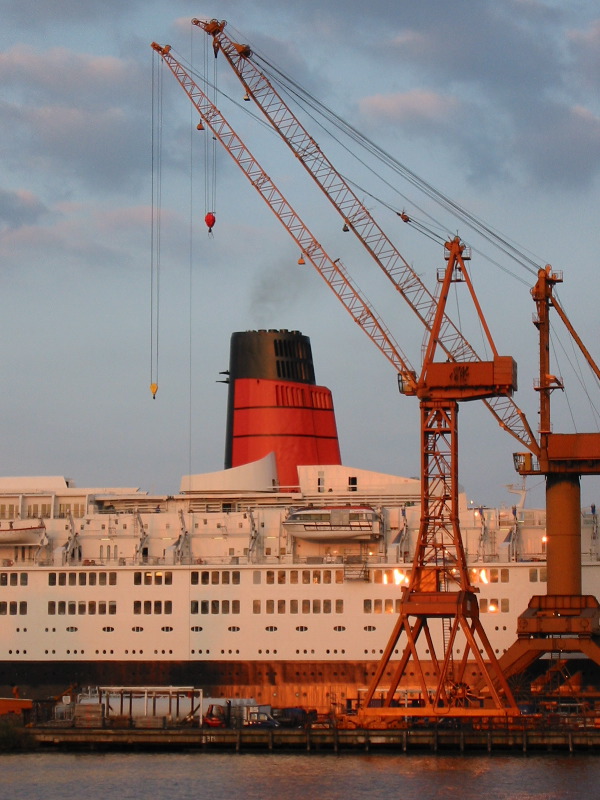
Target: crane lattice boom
pixel 333 272
pixel 357 217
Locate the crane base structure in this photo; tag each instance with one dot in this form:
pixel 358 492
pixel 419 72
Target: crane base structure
pixel 554 625
pixel 452 693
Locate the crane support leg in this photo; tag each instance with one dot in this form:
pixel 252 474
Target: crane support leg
pixel 563 529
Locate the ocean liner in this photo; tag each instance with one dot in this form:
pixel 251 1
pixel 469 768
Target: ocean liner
pixel 277 578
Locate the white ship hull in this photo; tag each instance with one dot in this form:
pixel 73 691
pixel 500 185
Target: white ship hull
pixel 214 589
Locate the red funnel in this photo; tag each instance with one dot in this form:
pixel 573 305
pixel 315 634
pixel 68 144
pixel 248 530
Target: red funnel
pixel 275 406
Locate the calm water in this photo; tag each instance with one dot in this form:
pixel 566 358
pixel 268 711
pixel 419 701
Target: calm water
pixel 311 776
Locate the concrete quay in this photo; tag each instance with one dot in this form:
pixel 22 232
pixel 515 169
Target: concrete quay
pixel 321 740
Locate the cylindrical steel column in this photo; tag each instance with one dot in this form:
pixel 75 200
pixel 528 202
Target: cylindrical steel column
pixel 563 529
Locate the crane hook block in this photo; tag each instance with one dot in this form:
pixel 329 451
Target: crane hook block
pixel 154 390
pixel 210 220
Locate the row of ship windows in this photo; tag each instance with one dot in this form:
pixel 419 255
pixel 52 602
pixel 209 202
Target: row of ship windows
pixel 13 608
pixel 102 652
pixel 389 606
pixel 102 607
pixel 328 576
pixel 227 577
pixel 533 575
pixel 206 577
pixel 492 575
pixel 316 606
pixel 13 579
pixel 154 578
pixel 484 575
pixel 110 629
pixel 41 510
pixel 378 606
pixel 502 575
pixel 304 576
pixel 215 607
pixel 82 607
pixel 223 652
pixel 152 607
pixel 157 578
pixel 82 579
pixel 194 652
pixel 170 652
pixel 493 606
pixel 199 629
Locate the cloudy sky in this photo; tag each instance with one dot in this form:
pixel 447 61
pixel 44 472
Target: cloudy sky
pixel 496 104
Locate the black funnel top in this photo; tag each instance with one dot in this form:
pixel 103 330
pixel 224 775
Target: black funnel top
pixel 271 355
pixel 266 355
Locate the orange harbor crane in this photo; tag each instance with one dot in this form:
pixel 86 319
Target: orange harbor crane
pixel 439 586
pixel 563 621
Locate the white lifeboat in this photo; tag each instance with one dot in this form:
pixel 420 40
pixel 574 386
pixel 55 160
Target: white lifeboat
pixel 17 532
pixel 333 523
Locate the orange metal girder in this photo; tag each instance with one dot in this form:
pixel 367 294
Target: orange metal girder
pixel 519 656
pixel 426 710
pixel 574 452
pixel 470 380
pixel 441 604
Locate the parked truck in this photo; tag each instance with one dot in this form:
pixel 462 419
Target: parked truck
pixel 238 713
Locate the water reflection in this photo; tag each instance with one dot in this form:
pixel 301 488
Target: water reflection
pixel 192 776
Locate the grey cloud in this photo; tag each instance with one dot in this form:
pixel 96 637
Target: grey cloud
pixel 79 115
pixel 60 75
pixel 584 45
pixel 50 12
pixel 561 145
pixel 19 208
pixel 513 64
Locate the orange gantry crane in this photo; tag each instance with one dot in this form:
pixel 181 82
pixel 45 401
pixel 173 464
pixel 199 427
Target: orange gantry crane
pixel 439 588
